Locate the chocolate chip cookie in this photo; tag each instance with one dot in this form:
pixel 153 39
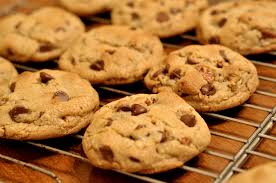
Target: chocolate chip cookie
pixel 40 36
pixel 87 7
pixel 145 133
pixel 46 104
pixel 164 18
pixel 247 27
pixel 113 55
pixel 210 77
pixel 7 75
pixel 260 174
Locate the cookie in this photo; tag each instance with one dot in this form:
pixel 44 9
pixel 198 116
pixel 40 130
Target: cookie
pixel 260 174
pixel 113 55
pixel 46 104
pixel 87 7
pixel 145 133
pixel 41 36
pixel 164 18
pixel 247 27
pixel 210 77
pixel 7 75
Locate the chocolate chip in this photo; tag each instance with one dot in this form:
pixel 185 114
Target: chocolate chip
pixel 214 12
pixel 106 153
pixel 18 25
pixel 191 60
pixel 222 22
pixel 185 141
pixel 148 102
pixel 134 159
pixel 17 111
pixel 60 29
pixel 109 122
pixel 140 126
pixel 98 65
pixel 61 96
pixel 208 89
pixel 12 86
pixel 165 136
pixel 162 17
pixel 135 16
pixel 46 48
pixel 111 52
pixel 157 73
pixel 224 56
pixel 176 73
pixel 219 64
pixel 10 51
pixel 124 108
pixel 188 119
pixel 44 77
pixel 137 109
pixel 130 4
pixel 268 33
pixel 214 40
pixel 175 10
pixel 73 61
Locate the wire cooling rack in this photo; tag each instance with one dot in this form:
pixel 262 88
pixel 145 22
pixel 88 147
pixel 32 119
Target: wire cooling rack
pixel 262 129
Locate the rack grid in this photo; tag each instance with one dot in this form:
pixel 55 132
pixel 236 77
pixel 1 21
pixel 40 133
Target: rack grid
pixel 235 161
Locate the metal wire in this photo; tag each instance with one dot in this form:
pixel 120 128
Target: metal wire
pixel 236 161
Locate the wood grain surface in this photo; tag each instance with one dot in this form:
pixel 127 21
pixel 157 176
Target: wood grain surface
pixel 72 170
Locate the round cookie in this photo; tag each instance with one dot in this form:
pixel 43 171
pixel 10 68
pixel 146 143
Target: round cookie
pixel 261 174
pixel 40 36
pixel 87 7
pixel 7 75
pixel 210 77
pixel 247 27
pixel 145 134
pixel 46 104
pixel 113 55
pixel 164 18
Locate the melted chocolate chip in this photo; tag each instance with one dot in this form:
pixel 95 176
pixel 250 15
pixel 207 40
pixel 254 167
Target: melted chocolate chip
pixel 107 153
pixel 124 108
pixel 188 119
pixel 61 96
pixel 268 33
pixel 130 4
pixel 109 122
pixel 44 77
pixel 208 90
pixel 165 136
pixel 219 65
pixel 157 73
pixel 162 17
pixel 134 159
pixel 46 48
pixel 137 109
pixel 18 25
pixel 110 52
pixel 175 10
pixel 176 73
pixel 17 111
pixel 222 22
pixel 98 65
pixel 12 86
pixel 135 16
pixel 214 40
pixel 139 127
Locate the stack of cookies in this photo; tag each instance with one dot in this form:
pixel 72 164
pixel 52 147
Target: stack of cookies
pixel 143 133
